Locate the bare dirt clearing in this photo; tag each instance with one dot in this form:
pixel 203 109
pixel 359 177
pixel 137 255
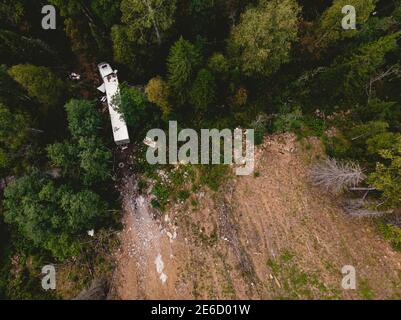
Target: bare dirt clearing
pixel 265 236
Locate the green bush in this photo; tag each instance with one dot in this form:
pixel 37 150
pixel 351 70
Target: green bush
pixel 392 234
pixel 213 175
pixel 162 193
pixel 288 121
pixel 183 195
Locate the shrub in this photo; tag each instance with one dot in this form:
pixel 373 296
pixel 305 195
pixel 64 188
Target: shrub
pixel 392 234
pixel 213 175
pixel 288 121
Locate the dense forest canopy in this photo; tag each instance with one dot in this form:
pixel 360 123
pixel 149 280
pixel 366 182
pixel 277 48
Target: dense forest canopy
pixel 270 65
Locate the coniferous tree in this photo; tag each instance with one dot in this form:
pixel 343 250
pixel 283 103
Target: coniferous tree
pixel 330 30
pixel 182 63
pixel 203 91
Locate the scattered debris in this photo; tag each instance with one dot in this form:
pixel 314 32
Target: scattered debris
pixel 150 142
pixel 74 76
pixel 160 267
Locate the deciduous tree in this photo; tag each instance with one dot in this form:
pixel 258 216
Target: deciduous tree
pixel 158 92
pixel 83 118
pixel 40 83
pixel 147 20
pixel 262 40
pixel 13 128
pixel 95 160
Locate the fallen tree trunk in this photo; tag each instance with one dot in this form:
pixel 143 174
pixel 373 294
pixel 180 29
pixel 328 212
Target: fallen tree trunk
pixel 356 208
pixel 362 189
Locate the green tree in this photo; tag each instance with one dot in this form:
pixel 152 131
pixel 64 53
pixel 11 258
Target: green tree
pixel 387 176
pixel 201 7
pixel 262 40
pixel 347 80
pixel 329 29
pixel 96 12
pixel 133 105
pixel 397 11
pixel 158 92
pixel 121 45
pixel 147 20
pixel 68 7
pixel 15 48
pixel 95 160
pixel 65 156
pixel 218 64
pixel 51 217
pixel 377 109
pixel 13 128
pixel 83 118
pixel 382 141
pixel 182 62
pixel 203 91
pixel 125 51
pixel 84 209
pixel 40 83
pixel 359 133
pixel 366 61
pixel 85 156
pixel 107 11
pixel 204 19
pixel 13 135
pixel 12 11
pixel 4 159
pixel 11 93
pixel 86 30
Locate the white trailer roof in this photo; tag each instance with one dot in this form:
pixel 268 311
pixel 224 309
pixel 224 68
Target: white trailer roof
pixel 105 69
pixel 111 85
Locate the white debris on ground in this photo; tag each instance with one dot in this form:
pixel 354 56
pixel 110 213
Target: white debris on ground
pixel 143 227
pixel 147 238
pixel 170 229
pixel 74 76
pixel 160 267
pixel 150 142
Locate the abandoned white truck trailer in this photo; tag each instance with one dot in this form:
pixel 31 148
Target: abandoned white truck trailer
pixel 110 87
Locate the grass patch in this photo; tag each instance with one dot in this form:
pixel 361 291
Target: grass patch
pixel 294 283
pixel 392 234
pixel 365 291
pixel 171 182
pixel 213 175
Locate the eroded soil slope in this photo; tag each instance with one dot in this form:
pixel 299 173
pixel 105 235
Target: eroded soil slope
pixel 267 236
